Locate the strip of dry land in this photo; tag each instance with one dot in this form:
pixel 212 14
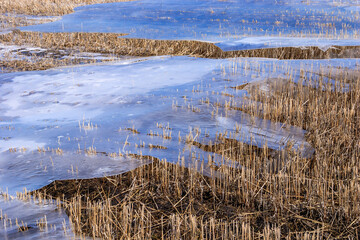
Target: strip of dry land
pixel 113 43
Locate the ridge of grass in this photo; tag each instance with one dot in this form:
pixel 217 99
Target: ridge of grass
pixel 112 43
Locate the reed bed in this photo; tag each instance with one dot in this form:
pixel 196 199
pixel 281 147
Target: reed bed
pixel 111 43
pixel 40 63
pixel 46 7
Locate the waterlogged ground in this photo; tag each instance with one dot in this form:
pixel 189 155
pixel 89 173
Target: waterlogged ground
pixel 95 120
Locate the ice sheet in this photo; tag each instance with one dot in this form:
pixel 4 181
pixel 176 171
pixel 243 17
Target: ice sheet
pixel 334 22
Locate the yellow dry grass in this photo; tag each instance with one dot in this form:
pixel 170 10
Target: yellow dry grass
pixel 40 63
pixel 46 7
pixel 112 43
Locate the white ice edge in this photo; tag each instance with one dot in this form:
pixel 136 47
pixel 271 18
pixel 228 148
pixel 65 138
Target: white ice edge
pixel 248 43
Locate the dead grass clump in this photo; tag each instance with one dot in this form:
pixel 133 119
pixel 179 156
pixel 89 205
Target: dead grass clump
pixel 110 43
pixel 343 74
pixel 46 7
pixel 151 146
pixel 309 103
pixel 36 64
pixel 240 87
pixel 310 52
pixel 21 65
pixel 159 200
pixel 133 130
pixel 330 112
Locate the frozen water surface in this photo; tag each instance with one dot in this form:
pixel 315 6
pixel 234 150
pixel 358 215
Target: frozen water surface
pixel 233 24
